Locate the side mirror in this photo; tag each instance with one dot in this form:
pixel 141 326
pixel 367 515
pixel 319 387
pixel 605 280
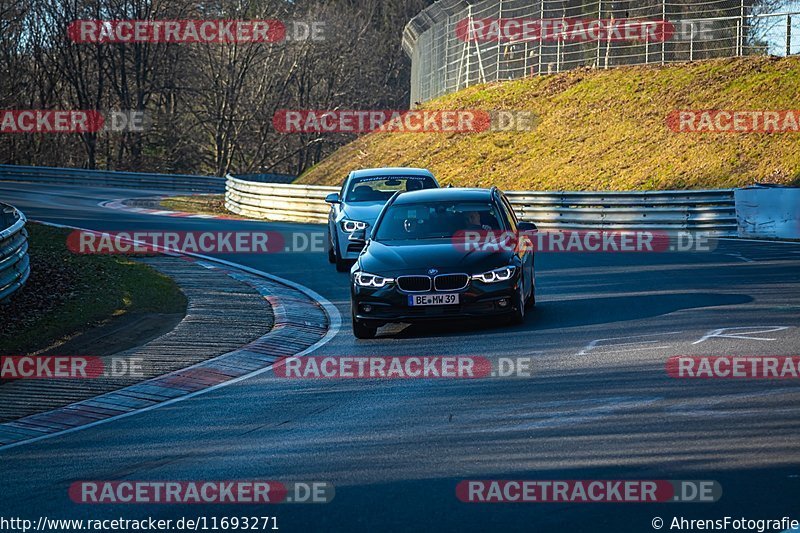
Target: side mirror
pixel 527 227
pixel 332 198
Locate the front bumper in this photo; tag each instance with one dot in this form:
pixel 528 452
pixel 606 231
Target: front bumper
pixel 390 304
pixel 347 250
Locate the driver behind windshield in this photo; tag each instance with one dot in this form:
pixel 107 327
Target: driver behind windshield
pixel 473 221
pixel 433 221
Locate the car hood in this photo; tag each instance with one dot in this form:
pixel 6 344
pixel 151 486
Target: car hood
pixel 363 211
pixel 447 257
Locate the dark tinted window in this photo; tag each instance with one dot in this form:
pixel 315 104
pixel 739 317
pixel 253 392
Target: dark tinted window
pixel 437 220
pixel 380 189
pixel 509 211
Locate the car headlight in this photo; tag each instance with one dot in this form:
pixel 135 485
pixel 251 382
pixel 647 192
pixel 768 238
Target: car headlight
pixel 498 274
pixel 371 280
pixel 353 225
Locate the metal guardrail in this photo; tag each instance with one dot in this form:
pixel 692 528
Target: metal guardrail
pixel 15 265
pixel 712 211
pixel 103 178
pixel 273 201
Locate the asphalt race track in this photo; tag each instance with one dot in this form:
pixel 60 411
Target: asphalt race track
pixel 600 404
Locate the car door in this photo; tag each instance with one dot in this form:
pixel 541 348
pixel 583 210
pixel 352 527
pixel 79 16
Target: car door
pixel 524 252
pixel 333 214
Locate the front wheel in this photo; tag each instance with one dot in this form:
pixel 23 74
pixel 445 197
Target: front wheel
pixel 341 264
pixel 518 316
pixel 331 253
pixel 363 331
pixel 530 303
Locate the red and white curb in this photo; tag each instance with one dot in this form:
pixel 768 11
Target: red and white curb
pixel 120 205
pixel 304 322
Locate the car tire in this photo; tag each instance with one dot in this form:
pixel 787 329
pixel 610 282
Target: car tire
pixel 362 330
pixel 518 315
pixel 530 303
pixel 341 264
pixel 331 253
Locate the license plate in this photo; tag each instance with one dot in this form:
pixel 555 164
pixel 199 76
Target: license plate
pixel 432 299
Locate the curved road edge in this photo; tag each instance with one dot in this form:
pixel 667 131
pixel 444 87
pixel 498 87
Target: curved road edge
pixel 292 319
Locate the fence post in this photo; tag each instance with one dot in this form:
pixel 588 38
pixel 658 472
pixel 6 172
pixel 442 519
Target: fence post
pixel 663 41
pixel 741 28
pixel 468 45
pixel 499 40
pixel 599 17
pixel 541 17
pixel 788 35
pixel 525 63
pixel 739 37
pixel 558 56
pixel 691 41
pixel 446 40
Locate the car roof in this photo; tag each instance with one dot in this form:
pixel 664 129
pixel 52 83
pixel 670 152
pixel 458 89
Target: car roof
pixel 447 194
pixel 390 171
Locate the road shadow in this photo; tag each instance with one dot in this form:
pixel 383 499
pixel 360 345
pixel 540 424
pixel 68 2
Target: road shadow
pixel 575 312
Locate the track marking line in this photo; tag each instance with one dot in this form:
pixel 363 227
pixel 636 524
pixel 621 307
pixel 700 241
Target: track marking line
pixel 720 333
pixel 121 206
pixel 589 347
pixel 743 258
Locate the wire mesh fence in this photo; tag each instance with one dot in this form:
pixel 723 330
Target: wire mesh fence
pixel 457 43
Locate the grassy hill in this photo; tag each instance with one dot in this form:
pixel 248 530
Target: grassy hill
pixel 602 130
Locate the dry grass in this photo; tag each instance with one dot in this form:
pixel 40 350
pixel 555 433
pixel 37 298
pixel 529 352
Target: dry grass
pixel 601 130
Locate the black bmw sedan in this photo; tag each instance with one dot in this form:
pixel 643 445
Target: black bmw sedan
pixel 442 254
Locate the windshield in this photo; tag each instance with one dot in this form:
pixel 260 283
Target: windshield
pixel 436 220
pixel 380 189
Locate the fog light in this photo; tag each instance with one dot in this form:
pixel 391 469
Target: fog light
pixel 366 308
pixel 503 302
